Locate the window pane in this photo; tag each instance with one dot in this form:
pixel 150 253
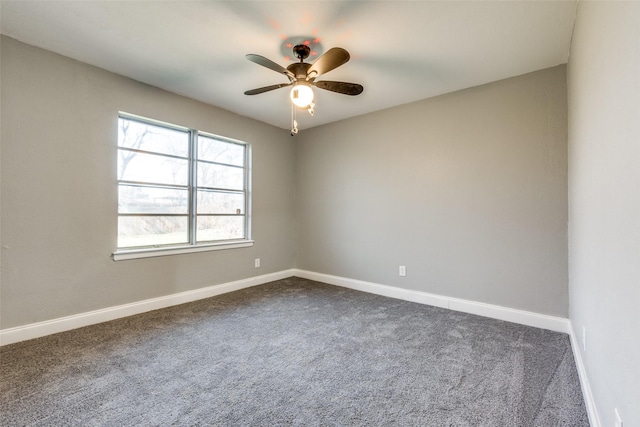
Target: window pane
pixel 215 202
pixel 152 168
pixel 144 136
pixel 215 150
pixel 219 228
pixel 135 231
pixel 229 177
pixel 137 199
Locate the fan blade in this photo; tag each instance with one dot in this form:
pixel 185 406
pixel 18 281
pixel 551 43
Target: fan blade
pixel 333 58
pixel 340 87
pixel 261 60
pixel 266 89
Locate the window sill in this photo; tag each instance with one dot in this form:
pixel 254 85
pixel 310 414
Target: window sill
pixel 155 252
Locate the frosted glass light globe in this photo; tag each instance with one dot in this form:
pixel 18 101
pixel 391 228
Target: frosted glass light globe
pixel 301 95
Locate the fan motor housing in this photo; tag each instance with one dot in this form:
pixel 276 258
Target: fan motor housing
pixel 299 69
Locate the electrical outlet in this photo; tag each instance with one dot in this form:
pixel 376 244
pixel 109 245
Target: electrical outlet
pixel 584 338
pixel 402 270
pixel 257 262
pixel 618 419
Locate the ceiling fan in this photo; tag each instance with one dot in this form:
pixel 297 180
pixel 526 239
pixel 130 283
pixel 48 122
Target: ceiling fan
pixel 302 75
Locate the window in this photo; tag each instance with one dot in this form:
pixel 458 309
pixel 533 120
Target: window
pixel 179 188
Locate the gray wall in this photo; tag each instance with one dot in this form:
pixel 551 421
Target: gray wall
pixel 467 190
pixel 604 202
pixel 59 195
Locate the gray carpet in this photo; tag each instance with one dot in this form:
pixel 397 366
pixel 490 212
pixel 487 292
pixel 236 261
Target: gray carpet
pixel 294 352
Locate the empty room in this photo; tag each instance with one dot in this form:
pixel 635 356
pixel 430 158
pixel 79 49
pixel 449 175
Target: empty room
pixel 323 213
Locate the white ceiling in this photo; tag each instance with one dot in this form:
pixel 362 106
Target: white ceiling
pixel 401 51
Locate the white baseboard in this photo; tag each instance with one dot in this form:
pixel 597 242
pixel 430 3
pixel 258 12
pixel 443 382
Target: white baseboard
pixel 40 329
pixel 557 324
pixel 589 401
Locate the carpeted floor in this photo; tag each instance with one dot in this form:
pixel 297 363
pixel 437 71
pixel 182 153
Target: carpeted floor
pixel 294 352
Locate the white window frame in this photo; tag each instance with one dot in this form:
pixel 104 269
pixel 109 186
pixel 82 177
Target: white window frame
pixel 192 246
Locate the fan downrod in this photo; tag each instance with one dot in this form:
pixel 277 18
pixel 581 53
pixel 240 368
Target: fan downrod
pixel 301 51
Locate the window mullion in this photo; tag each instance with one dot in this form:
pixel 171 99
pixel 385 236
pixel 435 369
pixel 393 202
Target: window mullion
pixel 193 171
pixel 247 192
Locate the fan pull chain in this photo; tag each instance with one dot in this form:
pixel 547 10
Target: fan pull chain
pixel 294 123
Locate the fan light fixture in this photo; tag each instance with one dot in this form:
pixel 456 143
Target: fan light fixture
pixel 301 95
pixel 303 75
